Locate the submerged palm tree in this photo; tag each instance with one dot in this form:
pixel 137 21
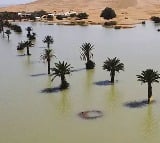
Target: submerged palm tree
pixel 49 40
pixel 86 55
pixel 32 36
pixel 61 69
pixel 149 76
pixel 2 27
pixel 46 56
pixel 113 65
pixel 28 44
pixel 21 45
pixel 8 32
pixel 29 29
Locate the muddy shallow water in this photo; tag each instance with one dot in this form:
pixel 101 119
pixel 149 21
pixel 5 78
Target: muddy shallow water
pixel 29 115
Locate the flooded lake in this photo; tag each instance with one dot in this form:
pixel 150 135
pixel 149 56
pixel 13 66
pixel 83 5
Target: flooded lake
pixel 29 115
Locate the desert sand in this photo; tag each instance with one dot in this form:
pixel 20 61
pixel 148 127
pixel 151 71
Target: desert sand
pixel 128 11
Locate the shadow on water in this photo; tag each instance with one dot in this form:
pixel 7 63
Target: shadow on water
pixel 39 74
pixel 77 70
pixel 138 104
pixel 21 55
pixel 51 90
pixel 103 83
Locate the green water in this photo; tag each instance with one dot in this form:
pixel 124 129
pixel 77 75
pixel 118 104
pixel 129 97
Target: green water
pixel 29 116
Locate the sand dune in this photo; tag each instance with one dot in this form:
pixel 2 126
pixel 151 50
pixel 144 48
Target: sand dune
pixel 128 11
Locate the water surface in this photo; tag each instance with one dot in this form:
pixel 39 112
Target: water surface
pixel 30 116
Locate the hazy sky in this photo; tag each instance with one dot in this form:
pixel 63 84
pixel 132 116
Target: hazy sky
pixel 6 2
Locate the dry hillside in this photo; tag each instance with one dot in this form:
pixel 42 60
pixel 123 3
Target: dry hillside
pixel 128 11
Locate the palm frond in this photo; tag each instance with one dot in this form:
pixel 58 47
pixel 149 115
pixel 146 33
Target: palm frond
pixel 86 53
pixel 113 65
pixel 149 76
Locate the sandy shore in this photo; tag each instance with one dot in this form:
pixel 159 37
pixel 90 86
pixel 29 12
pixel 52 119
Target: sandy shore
pixel 128 11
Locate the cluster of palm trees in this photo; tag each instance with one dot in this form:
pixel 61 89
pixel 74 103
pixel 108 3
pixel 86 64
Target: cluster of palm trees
pixel 29 42
pixel 7 32
pixel 7 24
pixel 30 36
pixel 60 69
pixel 112 65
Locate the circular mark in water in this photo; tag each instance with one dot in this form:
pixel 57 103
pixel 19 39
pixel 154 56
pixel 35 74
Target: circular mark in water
pixel 93 114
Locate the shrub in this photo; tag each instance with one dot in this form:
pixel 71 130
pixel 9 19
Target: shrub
pixel 59 17
pixel 155 19
pixel 108 13
pixel 16 28
pixel 73 15
pixel 117 27
pixel 82 15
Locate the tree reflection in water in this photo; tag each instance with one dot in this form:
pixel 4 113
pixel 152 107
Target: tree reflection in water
pixel 150 125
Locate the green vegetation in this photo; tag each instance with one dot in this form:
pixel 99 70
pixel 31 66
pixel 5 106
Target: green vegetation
pixel 86 55
pixel 8 32
pixel 149 76
pixel 32 36
pixel 113 65
pixel 28 44
pixel 155 19
pixel 46 56
pixel 9 15
pixel 16 28
pixel 2 27
pixel 108 13
pixel 49 40
pixel 21 45
pixel 29 29
pixel 60 70
pixel 82 15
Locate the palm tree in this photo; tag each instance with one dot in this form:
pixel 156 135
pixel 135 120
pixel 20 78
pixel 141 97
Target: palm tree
pixel 32 36
pixel 8 32
pixel 49 40
pixel 2 27
pixel 149 76
pixel 29 29
pixel 86 55
pixel 21 45
pixel 113 65
pixel 27 45
pixel 46 56
pixel 61 69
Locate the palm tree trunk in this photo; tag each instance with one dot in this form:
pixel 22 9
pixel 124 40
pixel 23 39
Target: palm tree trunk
pixel 48 66
pixel 28 51
pixel 149 92
pixel 48 45
pixel 29 34
pixel 112 76
pixel 8 37
pixel 3 32
pixel 87 57
pixel 64 83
